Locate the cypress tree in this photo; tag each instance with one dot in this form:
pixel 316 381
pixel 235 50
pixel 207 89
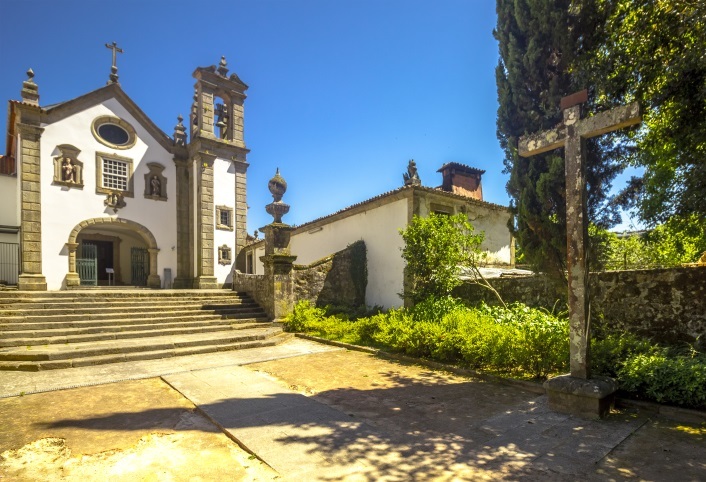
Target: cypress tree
pixel 539 41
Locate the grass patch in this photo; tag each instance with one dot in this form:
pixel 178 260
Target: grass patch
pixel 516 341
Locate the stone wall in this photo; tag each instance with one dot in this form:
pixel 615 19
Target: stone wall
pixel 255 285
pixel 338 280
pixel 668 305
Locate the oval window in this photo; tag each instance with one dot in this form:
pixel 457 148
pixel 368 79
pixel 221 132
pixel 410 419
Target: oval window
pixel 114 134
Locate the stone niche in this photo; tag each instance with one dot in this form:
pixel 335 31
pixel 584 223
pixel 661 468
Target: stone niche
pixel 155 182
pixel 68 170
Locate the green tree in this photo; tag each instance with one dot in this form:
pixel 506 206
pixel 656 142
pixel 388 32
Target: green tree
pixel 435 251
pixel 539 41
pixel 653 51
pixel 678 241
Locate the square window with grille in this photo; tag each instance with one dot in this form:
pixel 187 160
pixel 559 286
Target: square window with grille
pixel 115 175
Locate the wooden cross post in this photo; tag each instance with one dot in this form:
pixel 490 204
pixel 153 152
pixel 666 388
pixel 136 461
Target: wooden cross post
pixel 114 68
pixel 571 135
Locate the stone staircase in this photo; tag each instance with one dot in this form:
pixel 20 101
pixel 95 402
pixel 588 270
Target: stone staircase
pixel 62 329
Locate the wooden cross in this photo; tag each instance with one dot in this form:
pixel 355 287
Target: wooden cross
pixel 571 135
pixel 114 68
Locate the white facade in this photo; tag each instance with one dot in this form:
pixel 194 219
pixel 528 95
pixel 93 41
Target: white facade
pixel 379 228
pixel 103 197
pixel 9 213
pixel 378 223
pixel 64 207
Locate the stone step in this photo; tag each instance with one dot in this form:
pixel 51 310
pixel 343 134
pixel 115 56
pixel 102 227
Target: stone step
pixel 89 328
pixel 50 337
pixel 103 294
pixel 75 351
pixel 78 306
pixel 62 323
pixel 225 313
pixel 145 355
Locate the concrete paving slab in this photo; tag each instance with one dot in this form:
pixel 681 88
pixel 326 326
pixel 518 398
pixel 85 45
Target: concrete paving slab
pixel 17 383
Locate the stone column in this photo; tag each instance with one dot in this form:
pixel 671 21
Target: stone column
pixel 31 277
pixel 278 263
pixel 241 212
pixel 72 277
pixel 185 224
pixel 277 260
pixel 153 280
pixel 205 226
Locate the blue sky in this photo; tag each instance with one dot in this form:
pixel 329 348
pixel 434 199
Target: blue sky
pixel 342 93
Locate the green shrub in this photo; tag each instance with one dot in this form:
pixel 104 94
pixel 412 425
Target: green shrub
pixel 679 380
pixel 303 315
pixel 435 308
pixel 609 353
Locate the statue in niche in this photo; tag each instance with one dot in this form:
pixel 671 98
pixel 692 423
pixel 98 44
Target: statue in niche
pixel 155 186
pixel 68 170
pixel 411 177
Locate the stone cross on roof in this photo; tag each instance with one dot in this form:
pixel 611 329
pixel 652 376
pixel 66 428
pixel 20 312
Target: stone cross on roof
pixel 571 134
pixel 114 68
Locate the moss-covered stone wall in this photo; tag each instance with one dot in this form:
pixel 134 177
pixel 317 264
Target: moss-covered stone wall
pixel 668 305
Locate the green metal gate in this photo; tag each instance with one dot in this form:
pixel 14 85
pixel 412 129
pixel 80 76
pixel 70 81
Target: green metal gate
pixel 139 263
pixel 87 265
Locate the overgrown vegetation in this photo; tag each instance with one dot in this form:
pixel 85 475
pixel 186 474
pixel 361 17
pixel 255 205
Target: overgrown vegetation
pixel 680 240
pixel 621 51
pixel 516 341
pixel 437 249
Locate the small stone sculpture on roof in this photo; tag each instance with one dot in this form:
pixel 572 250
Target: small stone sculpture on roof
pixel 411 177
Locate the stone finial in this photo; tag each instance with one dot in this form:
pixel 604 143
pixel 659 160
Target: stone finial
pixel 30 90
pixel 277 186
pixel 180 132
pixel 411 177
pixel 222 67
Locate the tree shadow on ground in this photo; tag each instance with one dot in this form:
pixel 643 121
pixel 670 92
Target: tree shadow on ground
pixel 411 429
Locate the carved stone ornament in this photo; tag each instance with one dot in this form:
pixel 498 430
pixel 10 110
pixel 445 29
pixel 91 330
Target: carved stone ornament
pixel 115 200
pixel 277 186
pixel 411 177
pixel 155 182
pixel 68 170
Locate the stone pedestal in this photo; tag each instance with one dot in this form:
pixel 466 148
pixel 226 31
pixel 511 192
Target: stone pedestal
pixel 280 285
pixel 205 283
pixel 589 398
pixel 32 282
pixel 278 264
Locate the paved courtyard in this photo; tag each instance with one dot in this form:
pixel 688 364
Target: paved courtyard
pixel 305 411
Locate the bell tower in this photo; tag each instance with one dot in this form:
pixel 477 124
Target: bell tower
pixel 216 135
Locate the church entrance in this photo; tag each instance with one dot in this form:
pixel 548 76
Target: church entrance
pixel 108 252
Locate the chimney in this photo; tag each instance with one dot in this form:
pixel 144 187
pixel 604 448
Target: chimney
pixel 462 180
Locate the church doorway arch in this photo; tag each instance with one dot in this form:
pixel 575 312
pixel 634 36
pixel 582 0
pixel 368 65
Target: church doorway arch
pixel 112 251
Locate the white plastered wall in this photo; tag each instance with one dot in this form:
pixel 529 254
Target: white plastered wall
pixel 63 208
pixel 492 221
pixel 223 195
pixel 379 228
pixel 9 213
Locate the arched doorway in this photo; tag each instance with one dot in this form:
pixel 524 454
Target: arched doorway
pixel 112 251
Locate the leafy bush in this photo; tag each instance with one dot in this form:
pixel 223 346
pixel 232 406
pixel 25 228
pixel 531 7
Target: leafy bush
pixel 609 352
pixel 678 380
pixel 303 315
pixel 518 341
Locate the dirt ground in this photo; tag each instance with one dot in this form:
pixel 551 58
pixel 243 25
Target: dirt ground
pixel 146 430
pixel 126 431
pixel 376 389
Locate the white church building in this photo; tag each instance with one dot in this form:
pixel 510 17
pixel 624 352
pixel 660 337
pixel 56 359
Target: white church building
pixel 93 193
